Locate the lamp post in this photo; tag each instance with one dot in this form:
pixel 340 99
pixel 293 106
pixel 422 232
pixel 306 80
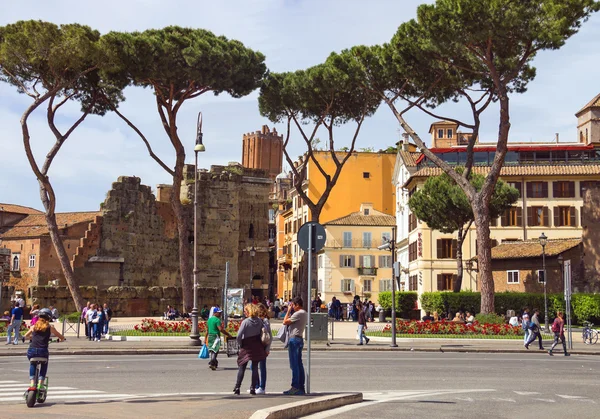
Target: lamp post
pixel 391 246
pixel 543 242
pixel 252 254
pixel 198 148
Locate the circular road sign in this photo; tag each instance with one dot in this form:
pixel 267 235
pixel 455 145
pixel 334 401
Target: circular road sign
pixel 318 236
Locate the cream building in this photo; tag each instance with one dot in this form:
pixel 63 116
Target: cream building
pixel 350 263
pixel 551 177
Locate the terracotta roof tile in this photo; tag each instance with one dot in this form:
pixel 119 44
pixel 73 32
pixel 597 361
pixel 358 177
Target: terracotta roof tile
pixel 35 225
pixel 549 170
pixel 375 218
pixel 532 248
pixel 409 158
pixel 594 103
pixel 18 209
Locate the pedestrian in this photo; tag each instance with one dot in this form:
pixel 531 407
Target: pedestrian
pixel 34 314
pixel 214 328
pixel 84 319
pixel 262 365
pixel 251 347
pixel 558 328
pixel 108 313
pixel 16 317
pixel 525 326
pixel 54 312
pixel 98 322
pixel 362 323
pixel 296 323
pixel 20 300
pixel 337 308
pixel 535 330
pixel 40 335
pixel 90 314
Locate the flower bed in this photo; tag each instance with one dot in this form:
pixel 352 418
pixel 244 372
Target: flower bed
pixel 152 327
pixel 449 328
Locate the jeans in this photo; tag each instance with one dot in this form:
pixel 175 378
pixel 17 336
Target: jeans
pixel 105 331
pixel 361 330
pixel 558 336
pixel 97 334
pixel 295 347
pixel 15 326
pixel 38 352
pixel 90 330
pixel 526 337
pixel 533 336
pixel 262 369
pixel 242 371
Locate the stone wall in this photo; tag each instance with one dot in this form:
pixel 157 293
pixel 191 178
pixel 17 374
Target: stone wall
pixel 590 222
pixel 124 301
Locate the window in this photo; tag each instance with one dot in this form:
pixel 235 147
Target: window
pixel 541 276
pixel 367 285
pixel 587 184
pixel 518 186
pixel 367 261
pixel 347 239
pixel 413 282
pixel 512 277
pixel 32 261
pixel 16 262
pixel 446 248
pixel 271 215
pixel 449 133
pixel 366 239
pixel 366 211
pixel 386 237
pixel 565 217
pixel 412 222
pixel 412 251
pixel 563 189
pixel 347 261
pixel 385 285
pixel 366 175
pixel 445 282
pixel 385 261
pixel 347 285
pixel 251 231
pixel 537 189
pixel 440 133
pixel 512 217
pixel 321 264
pixel 537 216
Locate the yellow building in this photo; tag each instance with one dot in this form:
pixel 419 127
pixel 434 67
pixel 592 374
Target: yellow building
pixel 350 263
pixel 366 177
pixel 551 178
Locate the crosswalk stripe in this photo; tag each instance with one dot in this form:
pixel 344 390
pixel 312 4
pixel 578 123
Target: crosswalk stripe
pixel 26 386
pixel 51 392
pixel 73 396
pixel 8 381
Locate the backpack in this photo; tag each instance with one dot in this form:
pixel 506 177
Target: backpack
pixel 556 326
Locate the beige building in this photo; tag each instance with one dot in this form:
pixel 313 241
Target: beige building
pixel 350 263
pixel 552 179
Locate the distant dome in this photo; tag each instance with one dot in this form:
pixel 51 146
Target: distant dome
pixel 282 175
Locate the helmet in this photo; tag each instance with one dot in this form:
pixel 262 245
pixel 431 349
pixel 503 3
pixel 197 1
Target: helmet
pixel 45 313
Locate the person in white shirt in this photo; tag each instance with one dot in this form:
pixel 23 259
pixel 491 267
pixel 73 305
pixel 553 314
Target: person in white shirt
pixel 89 315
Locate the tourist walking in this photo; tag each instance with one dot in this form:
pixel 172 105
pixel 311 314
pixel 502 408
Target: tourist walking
pixel 558 328
pixel 362 323
pixel 296 323
pixel 535 330
pixel 262 365
pixel 251 347
pixel 214 328
pixel 16 317
pixel 525 326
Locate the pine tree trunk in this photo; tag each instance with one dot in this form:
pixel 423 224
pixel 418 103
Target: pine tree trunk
pixel 484 256
pixel 459 262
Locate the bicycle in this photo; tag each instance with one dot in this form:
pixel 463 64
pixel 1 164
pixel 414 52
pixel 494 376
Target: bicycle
pixel 589 335
pixel 40 392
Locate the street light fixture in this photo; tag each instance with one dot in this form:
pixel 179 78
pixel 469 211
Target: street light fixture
pixel 252 254
pixel 198 148
pixel 391 246
pixel 543 242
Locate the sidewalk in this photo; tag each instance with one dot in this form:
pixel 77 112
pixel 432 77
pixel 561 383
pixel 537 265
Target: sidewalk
pixel 344 339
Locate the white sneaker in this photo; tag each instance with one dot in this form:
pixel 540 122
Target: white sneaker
pixel 248 391
pixel 260 391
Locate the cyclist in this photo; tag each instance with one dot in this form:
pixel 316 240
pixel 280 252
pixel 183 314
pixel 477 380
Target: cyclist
pixel 40 334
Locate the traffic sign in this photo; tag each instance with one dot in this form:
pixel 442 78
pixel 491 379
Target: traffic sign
pixel 318 236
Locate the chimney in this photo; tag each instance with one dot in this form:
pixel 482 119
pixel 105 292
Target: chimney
pixel 556 136
pixel 405 141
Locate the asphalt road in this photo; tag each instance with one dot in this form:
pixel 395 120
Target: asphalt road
pixel 404 384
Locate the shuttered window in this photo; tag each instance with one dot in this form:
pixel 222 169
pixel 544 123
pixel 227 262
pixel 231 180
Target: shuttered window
pixel 537 189
pixel 347 286
pixel 385 285
pixel 563 189
pixel 446 248
pixel 445 282
pixel 385 261
pixel 565 217
pixel 347 261
pixel 512 217
pixel 537 216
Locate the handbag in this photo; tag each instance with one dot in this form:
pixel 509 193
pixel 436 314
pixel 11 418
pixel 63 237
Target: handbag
pixel 265 337
pixel 203 354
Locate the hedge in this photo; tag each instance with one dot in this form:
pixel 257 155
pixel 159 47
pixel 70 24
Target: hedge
pixel 405 302
pixel 584 307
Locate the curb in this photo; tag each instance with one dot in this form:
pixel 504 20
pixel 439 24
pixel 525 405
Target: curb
pixel 307 407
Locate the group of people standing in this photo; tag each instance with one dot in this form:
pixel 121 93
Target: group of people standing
pixel 96 319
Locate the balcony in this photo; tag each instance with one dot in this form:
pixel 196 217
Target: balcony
pixel 367 271
pixel 285 259
pixel 338 243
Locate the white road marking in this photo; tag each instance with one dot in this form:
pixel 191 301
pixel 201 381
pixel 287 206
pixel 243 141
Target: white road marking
pixel 526 393
pixel 83 397
pixel 499 399
pixel 546 400
pixel 564 396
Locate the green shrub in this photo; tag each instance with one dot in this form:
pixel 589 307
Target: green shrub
pixel 451 302
pixel 71 318
pixel 432 301
pixel 405 302
pixel 491 318
pixel 586 307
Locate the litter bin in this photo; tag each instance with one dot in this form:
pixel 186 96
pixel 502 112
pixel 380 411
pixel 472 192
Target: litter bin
pixel 319 326
pixel 381 316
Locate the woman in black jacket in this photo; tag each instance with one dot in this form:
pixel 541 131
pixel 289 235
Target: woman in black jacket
pixel 251 347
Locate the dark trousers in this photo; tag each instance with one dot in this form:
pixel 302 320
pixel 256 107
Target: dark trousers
pixel 558 336
pixel 242 371
pixel 533 336
pixel 213 359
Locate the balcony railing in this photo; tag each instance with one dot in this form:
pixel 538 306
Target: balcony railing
pixel 285 259
pixel 354 243
pixel 367 271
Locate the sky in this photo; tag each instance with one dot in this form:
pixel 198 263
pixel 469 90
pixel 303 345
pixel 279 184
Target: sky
pixel 293 34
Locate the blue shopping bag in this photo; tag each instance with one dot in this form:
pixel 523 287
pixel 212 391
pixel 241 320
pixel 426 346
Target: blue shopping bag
pixel 203 352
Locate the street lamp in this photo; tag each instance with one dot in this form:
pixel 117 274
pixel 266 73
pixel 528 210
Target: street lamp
pixel 543 242
pixel 391 246
pixel 198 148
pixel 252 254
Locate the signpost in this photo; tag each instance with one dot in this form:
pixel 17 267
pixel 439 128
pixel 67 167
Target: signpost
pixel 567 279
pixel 311 238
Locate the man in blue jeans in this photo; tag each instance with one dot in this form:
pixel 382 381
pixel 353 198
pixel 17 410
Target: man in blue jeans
pixel 296 323
pixel 16 317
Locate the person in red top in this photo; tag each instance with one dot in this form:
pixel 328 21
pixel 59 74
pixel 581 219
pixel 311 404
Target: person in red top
pixel 558 328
